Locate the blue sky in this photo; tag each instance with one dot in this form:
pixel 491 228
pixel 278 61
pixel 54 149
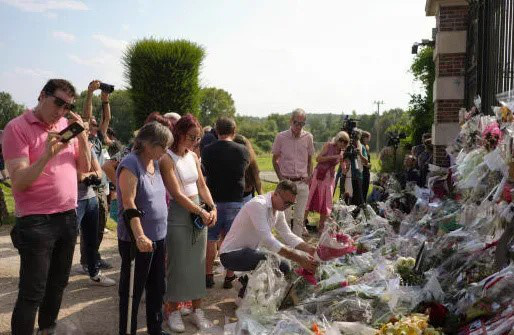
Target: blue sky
pixel 271 55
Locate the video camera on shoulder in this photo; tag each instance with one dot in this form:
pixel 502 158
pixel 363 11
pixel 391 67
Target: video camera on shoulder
pixel 394 138
pixel 349 126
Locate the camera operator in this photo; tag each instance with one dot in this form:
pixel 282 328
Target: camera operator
pixel 357 162
pixel 87 218
pixel 98 137
pixel 43 171
pixel 366 175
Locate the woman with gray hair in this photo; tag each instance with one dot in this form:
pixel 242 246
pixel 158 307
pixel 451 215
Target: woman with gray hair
pixel 142 220
pixel 321 187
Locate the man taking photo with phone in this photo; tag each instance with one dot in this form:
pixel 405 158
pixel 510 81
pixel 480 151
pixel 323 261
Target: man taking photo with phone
pixel 98 137
pixel 43 172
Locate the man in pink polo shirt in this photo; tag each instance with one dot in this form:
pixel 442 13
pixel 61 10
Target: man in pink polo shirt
pixel 43 172
pixel 292 160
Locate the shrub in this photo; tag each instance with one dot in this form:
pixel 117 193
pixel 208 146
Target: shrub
pixel 265 145
pixel 163 76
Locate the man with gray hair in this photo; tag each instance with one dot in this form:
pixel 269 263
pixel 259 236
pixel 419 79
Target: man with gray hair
pixel 292 160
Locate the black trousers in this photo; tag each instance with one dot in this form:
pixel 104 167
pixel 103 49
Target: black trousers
pixel 149 275
pixel 46 244
pixel 356 198
pixel 365 183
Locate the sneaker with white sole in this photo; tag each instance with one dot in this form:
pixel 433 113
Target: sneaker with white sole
pixel 175 322
pixel 185 311
pixel 200 320
pixel 102 280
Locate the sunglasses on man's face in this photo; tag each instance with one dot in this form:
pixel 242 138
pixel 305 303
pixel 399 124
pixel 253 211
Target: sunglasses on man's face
pixel 61 103
pixel 299 123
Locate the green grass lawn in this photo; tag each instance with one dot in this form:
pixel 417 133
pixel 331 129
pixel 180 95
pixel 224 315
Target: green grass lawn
pixel 9 201
pixel 264 162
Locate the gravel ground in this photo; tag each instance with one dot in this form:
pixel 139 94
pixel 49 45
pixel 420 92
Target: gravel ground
pixel 88 309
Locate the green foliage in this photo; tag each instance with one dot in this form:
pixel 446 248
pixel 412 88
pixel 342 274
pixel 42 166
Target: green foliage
pixel 163 76
pixel 265 145
pixel 215 103
pixel 9 202
pixel 8 109
pixel 421 107
pixel 281 121
pixel 122 111
pixel 387 162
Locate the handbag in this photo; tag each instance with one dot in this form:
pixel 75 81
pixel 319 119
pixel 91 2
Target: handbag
pixel 197 219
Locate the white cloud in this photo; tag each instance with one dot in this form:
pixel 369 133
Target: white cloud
pixel 97 60
pixel 125 27
pixel 33 72
pixel 41 6
pixel 110 43
pixel 61 35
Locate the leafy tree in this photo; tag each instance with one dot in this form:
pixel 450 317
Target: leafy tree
pixel 97 104
pixel 163 76
pixel 282 121
pixel 421 107
pixel 8 109
pixel 215 103
pixel 122 110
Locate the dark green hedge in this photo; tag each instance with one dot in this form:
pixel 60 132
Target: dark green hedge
pixel 163 76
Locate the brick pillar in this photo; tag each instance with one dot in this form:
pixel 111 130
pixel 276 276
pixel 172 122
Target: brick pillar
pixel 450 62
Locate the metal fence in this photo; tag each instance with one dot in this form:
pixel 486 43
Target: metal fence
pixel 490 54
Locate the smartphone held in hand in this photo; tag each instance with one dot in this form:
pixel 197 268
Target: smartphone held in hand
pixel 70 132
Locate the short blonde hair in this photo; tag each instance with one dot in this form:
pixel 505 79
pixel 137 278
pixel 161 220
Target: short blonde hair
pixel 342 135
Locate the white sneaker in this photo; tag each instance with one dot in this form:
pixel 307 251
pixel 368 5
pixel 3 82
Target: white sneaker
pixel 200 321
pixel 184 311
pixel 175 322
pixel 102 280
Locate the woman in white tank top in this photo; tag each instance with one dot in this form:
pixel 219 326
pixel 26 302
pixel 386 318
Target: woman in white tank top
pixel 186 246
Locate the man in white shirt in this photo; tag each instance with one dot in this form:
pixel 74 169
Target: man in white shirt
pixel 252 228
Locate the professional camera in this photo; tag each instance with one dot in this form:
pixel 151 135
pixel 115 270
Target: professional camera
pixel 393 138
pixel 349 126
pixel 107 88
pixel 92 181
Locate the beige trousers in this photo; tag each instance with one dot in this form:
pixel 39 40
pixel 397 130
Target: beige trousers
pixel 297 211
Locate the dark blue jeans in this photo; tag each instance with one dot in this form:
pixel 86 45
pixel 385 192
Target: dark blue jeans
pixel 149 275
pixel 46 244
pixel 88 220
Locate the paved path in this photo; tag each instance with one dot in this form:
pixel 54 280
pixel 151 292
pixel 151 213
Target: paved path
pixel 268 176
pixel 88 309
